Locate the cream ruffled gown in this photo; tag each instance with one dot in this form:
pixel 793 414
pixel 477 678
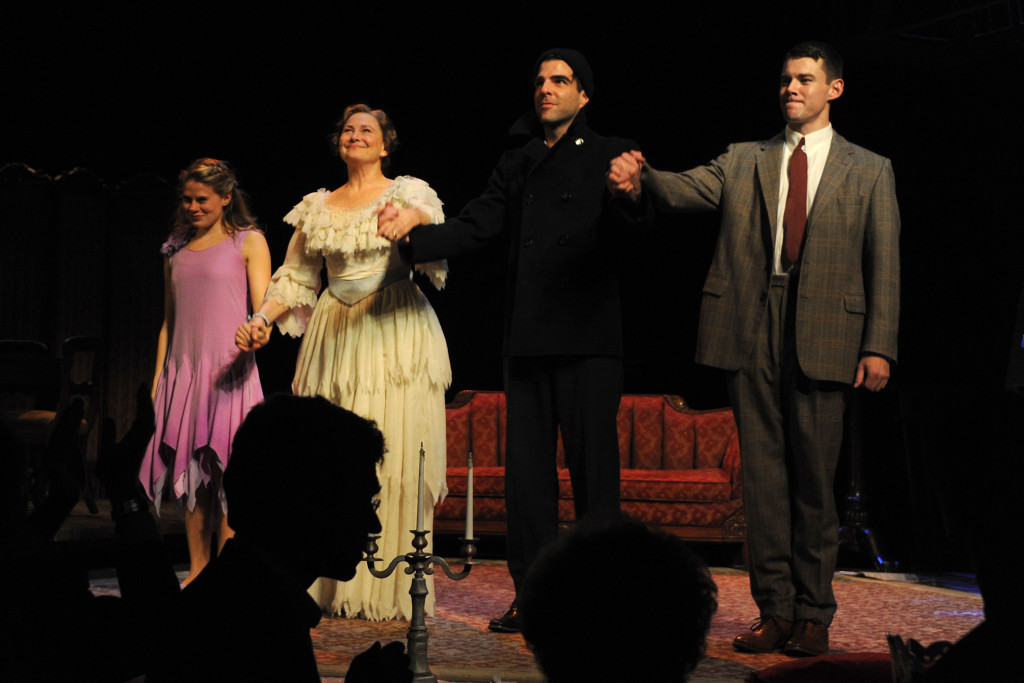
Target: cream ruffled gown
pixel 383 356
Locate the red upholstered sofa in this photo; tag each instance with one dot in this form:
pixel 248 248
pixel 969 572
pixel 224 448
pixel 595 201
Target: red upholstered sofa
pixel 680 468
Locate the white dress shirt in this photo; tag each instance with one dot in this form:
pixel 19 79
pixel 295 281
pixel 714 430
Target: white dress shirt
pixel 816 147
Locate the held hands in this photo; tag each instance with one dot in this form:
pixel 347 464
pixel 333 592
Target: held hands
pixel 394 224
pixel 252 335
pixel 872 372
pixel 623 176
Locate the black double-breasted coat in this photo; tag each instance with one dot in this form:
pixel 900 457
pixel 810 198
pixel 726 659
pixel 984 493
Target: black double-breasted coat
pixel 566 237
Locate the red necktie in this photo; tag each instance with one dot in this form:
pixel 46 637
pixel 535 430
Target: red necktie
pixel 794 220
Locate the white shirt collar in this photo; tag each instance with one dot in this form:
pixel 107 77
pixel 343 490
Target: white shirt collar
pixel 822 136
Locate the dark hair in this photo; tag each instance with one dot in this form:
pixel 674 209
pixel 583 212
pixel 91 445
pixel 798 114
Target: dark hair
pixel 833 62
pixel 300 452
pixel 387 129
pixel 624 638
pixel 582 74
pixel 219 177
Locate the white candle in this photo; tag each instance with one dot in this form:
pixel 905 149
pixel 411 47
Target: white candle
pixel 469 497
pixel 419 494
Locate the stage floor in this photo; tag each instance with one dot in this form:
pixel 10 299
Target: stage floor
pixel 462 649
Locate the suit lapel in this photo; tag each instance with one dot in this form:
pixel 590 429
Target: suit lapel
pixel 837 167
pixel 769 166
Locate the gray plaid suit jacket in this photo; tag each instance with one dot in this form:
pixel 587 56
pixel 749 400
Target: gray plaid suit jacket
pixel 848 292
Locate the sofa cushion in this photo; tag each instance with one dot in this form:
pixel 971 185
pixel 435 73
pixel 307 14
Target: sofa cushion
pixel 679 440
pixel 680 468
pixel 478 425
pixel 487 481
pixel 701 486
pixel 484 510
pixel 664 514
pixel 682 486
pixel 714 429
pixel 648 432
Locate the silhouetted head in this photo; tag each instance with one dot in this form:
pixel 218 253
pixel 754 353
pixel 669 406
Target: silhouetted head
pixel 617 602
pixel 303 472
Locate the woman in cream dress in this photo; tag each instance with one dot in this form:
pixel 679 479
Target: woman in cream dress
pixel 372 344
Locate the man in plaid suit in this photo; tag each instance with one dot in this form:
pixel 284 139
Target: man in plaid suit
pixel 796 316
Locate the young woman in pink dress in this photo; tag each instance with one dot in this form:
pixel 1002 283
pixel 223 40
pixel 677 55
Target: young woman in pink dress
pixel 216 271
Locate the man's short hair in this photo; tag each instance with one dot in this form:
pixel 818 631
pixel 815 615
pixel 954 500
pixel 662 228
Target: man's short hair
pixel 582 74
pixel 293 453
pixel 833 61
pixel 586 620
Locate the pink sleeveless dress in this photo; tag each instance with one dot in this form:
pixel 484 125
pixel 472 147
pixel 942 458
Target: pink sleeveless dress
pixel 207 385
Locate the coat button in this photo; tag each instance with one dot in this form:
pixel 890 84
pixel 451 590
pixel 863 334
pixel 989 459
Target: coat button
pixel 563 240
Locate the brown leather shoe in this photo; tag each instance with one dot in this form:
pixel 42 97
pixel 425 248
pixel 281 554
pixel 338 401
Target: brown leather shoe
pixel 766 634
pixel 809 639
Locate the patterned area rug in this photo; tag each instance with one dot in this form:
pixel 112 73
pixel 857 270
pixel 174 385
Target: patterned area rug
pixel 460 646
pixel 462 649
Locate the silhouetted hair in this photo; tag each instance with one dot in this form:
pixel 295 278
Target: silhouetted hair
pixel 219 177
pixel 833 62
pixel 291 454
pixel 387 129
pixel 586 621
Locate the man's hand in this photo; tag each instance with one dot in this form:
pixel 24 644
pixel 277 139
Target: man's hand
pixel 388 664
pixel 394 224
pixel 872 372
pixel 623 176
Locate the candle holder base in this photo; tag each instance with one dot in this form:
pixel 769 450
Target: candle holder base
pixel 420 566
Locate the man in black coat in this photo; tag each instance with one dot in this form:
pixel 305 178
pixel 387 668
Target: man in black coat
pixel 563 326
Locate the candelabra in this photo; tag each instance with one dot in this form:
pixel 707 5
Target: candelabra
pixel 420 566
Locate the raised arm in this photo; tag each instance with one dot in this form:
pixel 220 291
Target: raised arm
pixel 623 176
pixel 395 224
pixel 699 189
pixel 480 221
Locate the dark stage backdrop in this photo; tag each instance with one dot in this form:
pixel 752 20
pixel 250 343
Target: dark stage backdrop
pixel 133 96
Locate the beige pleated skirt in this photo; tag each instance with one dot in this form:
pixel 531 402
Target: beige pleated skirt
pixel 384 358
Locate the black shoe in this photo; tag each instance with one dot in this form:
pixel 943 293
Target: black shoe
pixel 507 623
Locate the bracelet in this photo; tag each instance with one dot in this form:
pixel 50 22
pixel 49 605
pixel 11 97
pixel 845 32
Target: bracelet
pixel 259 315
